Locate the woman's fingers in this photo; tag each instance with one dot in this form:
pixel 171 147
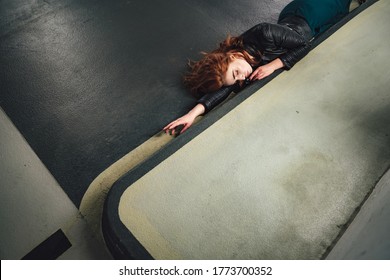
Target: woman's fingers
pixel 253 74
pixel 257 74
pixel 260 73
pixel 180 125
pixel 167 126
pixel 171 128
pixel 172 124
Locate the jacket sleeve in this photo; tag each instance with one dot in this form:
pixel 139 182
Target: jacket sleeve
pixel 212 99
pixel 295 44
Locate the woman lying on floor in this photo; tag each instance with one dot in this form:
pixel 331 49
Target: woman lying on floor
pixel 257 53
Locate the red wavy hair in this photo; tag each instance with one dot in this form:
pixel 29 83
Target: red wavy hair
pixel 207 74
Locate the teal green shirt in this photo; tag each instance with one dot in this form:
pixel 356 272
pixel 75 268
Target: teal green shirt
pixel 319 14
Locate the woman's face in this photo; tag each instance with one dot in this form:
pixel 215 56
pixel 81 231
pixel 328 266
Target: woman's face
pixel 239 69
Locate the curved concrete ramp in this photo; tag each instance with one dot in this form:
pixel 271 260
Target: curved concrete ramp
pixel 280 175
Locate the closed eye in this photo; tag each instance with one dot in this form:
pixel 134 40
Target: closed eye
pixel 235 74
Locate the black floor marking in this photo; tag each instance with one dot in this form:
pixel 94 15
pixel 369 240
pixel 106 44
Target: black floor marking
pixel 51 248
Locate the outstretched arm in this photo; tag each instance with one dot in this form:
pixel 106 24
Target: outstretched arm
pixel 206 103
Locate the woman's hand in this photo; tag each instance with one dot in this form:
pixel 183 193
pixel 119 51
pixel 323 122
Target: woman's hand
pixel 186 121
pixel 266 70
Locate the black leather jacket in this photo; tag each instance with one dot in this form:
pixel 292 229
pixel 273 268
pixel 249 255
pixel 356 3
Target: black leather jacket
pixel 288 40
